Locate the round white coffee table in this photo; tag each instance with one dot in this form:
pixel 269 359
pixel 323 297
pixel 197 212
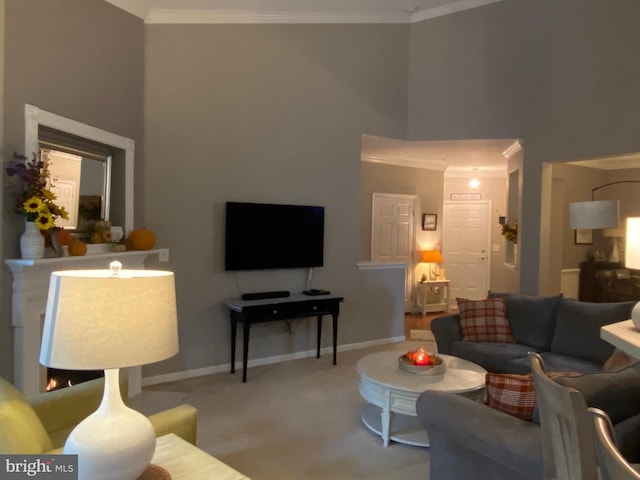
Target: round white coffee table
pixel 392 393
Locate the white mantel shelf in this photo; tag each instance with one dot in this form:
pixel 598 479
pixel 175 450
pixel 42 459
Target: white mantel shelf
pixel 30 289
pixel 64 263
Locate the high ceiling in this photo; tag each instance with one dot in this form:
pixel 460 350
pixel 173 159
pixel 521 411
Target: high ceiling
pixel 307 11
pixel 456 158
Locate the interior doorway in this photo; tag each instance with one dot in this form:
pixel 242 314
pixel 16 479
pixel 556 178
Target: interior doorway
pixel 578 180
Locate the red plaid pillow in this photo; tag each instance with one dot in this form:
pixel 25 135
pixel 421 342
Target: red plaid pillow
pixel 484 320
pixel 512 394
pixel 515 394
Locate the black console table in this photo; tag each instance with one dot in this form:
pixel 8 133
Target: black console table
pixel 249 312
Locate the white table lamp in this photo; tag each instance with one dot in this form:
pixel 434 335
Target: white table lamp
pixel 110 319
pixel 632 258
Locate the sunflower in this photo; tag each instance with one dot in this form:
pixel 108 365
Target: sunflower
pixel 45 221
pixel 32 205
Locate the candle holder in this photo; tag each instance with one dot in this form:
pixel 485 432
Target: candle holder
pixel 421 362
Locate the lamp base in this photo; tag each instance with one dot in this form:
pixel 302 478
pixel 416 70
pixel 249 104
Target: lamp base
pixel 115 442
pixel 635 315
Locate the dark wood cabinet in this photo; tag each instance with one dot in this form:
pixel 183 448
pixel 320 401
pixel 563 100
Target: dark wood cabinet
pixel 608 282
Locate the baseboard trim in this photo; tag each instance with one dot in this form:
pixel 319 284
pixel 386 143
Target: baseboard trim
pixel 199 372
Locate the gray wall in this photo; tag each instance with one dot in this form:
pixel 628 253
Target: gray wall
pixel 275 113
pixel 561 75
pixel 466 78
pixel 6 345
pixel 82 59
pixel 267 113
pixel 574 184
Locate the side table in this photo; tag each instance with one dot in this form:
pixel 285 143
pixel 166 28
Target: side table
pixel 187 462
pixel 249 312
pixel 423 289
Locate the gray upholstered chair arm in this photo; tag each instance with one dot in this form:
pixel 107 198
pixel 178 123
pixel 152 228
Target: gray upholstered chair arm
pixel 616 392
pixel 446 330
pixel 456 424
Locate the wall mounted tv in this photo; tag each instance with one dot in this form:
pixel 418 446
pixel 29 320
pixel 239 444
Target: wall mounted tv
pixel 262 236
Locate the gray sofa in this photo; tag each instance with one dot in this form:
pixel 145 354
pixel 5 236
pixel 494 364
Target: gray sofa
pixel 470 440
pixel 565 332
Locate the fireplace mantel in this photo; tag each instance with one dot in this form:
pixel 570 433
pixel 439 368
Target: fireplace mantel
pixel 30 289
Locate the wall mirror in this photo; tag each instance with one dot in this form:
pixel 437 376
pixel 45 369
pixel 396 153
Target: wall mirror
pixel 91 169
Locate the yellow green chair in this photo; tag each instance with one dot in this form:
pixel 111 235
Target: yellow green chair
pixel 41 424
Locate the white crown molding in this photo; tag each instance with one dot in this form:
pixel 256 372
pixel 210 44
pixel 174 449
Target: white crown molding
pixel 512 150
pixel 450 171
pixel 157 16
pixel 403 162
pixel 450 8
pixel 190 16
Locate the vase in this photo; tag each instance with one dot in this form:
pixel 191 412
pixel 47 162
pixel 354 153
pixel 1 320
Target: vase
pixel 515 254
pixel 31 242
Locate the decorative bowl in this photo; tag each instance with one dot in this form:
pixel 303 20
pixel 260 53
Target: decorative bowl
pixel 408 365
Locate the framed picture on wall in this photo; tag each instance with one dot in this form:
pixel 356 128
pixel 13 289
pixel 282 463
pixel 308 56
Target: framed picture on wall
pixel 429 221
pixel 584 236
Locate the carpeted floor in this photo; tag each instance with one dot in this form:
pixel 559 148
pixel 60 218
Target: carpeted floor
pixel 294 420
pixel 416 322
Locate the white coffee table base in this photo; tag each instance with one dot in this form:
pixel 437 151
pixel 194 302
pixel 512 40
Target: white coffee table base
pixel 404 428
pixel 392 393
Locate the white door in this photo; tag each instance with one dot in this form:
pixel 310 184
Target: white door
pixel 465 248
pixel 392 234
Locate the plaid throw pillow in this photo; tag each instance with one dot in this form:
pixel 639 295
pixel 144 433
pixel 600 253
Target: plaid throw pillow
pixel 512 394
pixel 484 320
pixel 516 394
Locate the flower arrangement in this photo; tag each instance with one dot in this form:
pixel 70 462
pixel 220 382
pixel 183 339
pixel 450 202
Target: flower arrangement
pixel 510 232
pixel 34 200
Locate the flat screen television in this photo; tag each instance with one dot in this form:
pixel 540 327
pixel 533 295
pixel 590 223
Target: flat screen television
pixel 262 236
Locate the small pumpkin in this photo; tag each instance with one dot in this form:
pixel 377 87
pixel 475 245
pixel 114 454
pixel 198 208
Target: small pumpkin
pixel 77 248
pixel 118 247
pixel 95 238
pixel 64 237
pixel 142 239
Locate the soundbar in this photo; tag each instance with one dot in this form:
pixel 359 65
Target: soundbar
pixel 263 295
pixel 314 292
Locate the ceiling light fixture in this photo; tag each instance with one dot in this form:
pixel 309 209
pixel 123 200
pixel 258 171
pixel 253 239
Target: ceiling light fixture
pixel 474 183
